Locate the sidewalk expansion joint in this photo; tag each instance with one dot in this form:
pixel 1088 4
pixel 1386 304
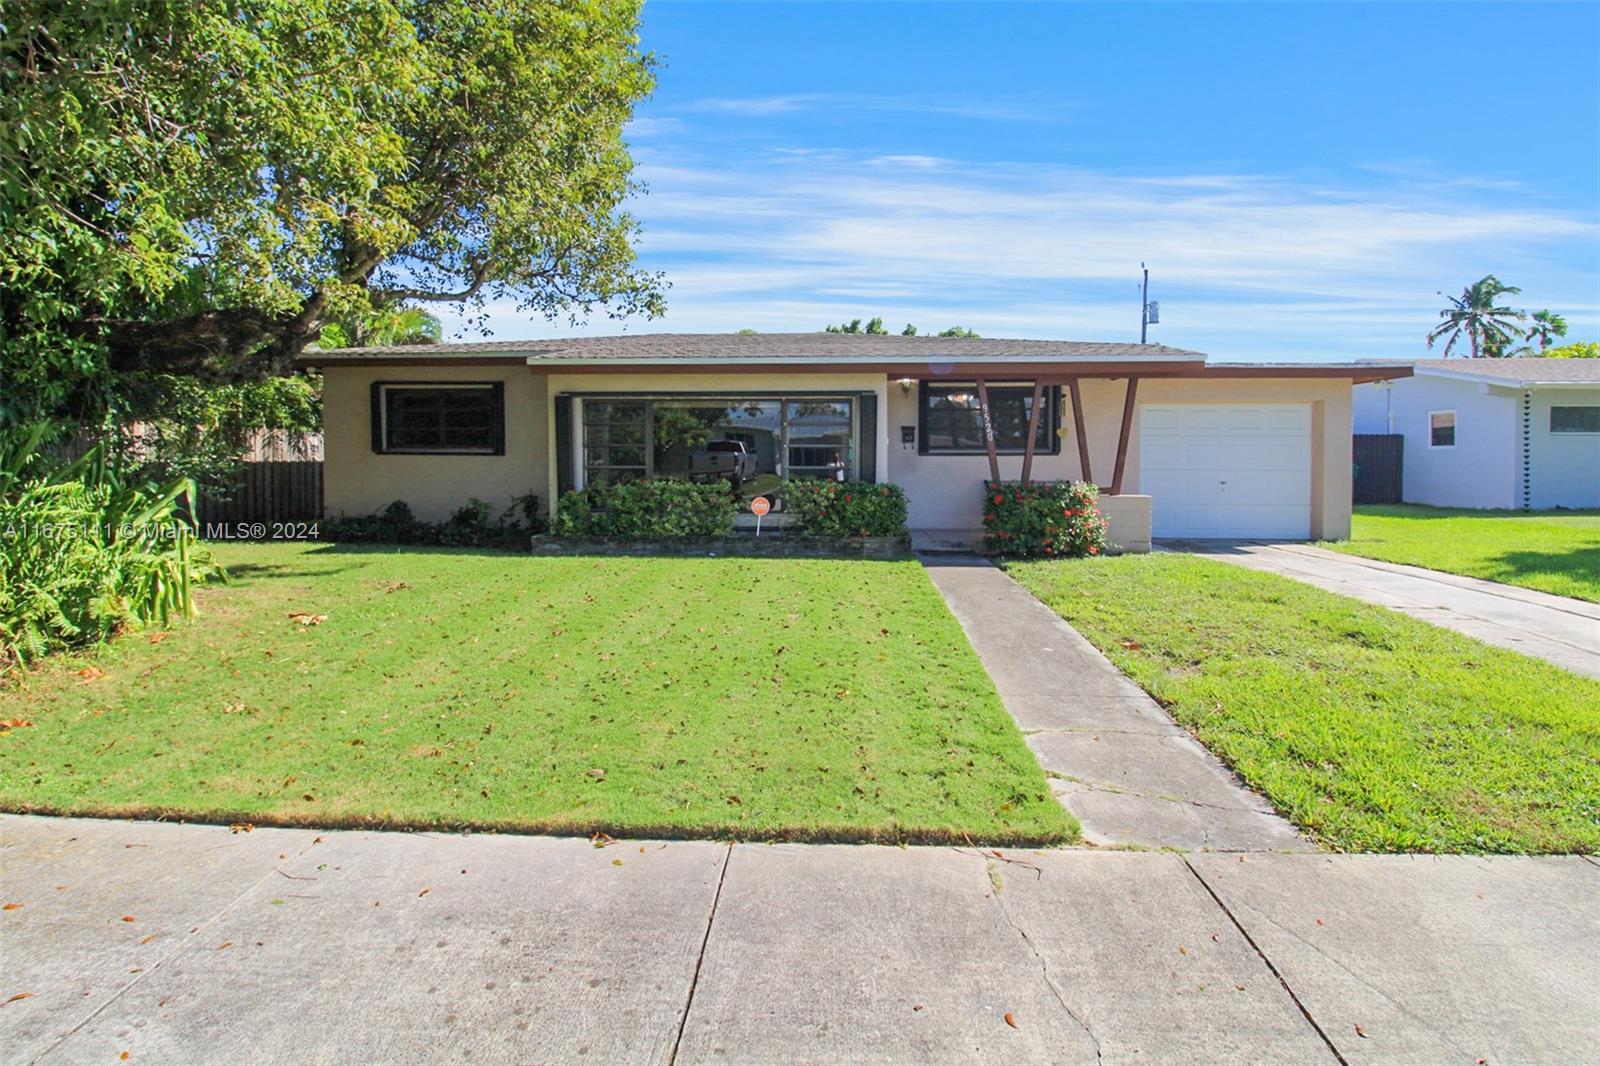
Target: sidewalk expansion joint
pixel 1248 939
pixel 1093 786
pixel 688 1003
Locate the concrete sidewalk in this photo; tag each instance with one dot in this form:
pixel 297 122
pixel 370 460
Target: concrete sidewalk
pixel 1117 760
pixel 193 944
pixel 1563 631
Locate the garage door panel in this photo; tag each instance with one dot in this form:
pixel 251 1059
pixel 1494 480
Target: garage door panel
pixel 1227 470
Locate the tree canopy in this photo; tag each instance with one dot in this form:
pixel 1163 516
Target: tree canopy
pixel 1491 329
pixel 198 189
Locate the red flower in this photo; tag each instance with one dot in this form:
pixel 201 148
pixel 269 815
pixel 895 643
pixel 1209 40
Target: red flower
pixel 847 497
pixel 999 498
pixel 1093 550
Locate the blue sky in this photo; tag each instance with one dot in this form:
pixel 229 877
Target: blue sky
pixel 1301 179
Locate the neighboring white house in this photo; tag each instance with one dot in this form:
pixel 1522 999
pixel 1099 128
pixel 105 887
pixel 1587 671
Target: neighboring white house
pixel 1503 433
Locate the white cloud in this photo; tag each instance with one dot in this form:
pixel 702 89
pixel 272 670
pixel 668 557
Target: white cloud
pixel 1244 265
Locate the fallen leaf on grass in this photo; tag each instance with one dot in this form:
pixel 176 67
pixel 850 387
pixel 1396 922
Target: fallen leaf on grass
pixel 1011 1020
pixel 16 723
pixel 158 637
pixel 1132 645
pixel 90 673
pixel 240 827
pixel 306 618
pixel 596 773
pixel 20 995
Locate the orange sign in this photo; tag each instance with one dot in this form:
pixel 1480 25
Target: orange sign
pixel 760 506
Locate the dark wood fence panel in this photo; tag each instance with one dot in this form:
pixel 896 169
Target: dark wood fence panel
pixel 270 492
pixel 1380 473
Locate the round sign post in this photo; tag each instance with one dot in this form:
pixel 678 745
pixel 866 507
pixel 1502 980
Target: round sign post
pixel 758 507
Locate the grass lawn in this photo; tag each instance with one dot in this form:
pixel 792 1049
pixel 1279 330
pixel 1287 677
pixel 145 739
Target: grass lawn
pixel 1552 551
pixel 1371 730
pixel 749 698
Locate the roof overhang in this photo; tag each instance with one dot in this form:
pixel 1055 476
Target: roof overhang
pixel 1502 382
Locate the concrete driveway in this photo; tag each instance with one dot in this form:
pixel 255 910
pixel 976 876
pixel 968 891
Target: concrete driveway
pixel 152 943
pixel 1563 631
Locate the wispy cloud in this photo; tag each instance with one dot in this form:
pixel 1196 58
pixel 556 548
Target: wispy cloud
pixel 951 106
pixel 1246 265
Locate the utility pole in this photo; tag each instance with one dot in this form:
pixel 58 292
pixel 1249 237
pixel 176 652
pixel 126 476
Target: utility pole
pixel 1144 304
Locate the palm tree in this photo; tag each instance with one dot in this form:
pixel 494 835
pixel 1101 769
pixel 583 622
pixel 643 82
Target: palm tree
pixel 1547 326
pixel 402 325
pixel 1490 330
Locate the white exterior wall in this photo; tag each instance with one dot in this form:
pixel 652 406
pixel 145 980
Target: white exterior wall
pixel 1565 467
pixel 1481 470
pixel 1369 408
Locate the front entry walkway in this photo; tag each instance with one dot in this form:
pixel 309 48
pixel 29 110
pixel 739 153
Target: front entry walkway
pixel 1563 631
pixel 1117 761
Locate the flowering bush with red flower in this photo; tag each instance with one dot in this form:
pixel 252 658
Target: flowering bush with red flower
pixel 1044 519
pixel 847 508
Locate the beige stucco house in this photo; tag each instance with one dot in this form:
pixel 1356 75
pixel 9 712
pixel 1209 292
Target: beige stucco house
pixel 1180 446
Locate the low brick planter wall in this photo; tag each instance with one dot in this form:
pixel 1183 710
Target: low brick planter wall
pixel 782 545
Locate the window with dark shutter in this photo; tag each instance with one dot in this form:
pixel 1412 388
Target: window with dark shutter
pixel 952 423
pixel 434 419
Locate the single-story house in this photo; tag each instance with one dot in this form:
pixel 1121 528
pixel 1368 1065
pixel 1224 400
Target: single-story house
pixel 1493 433
pixel 1181 447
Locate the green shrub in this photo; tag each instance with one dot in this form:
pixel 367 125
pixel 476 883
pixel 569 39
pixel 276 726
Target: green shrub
pixel 1043 518
pixel 83 555
pixel 847 508
pixel 469 527
pixel 647 510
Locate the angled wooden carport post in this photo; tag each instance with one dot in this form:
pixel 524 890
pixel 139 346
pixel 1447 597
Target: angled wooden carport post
pixel 1033 429
pixel 1122 438
pixel 988 431
pixel 1080 431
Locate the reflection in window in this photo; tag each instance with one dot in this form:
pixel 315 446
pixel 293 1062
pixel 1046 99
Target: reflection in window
pixel 625 439
pixel 1442 429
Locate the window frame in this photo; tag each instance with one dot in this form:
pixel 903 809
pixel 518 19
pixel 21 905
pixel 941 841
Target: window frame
pixel 380 416
pixel 1572 407
pixel 1050 425
pixel 1455 425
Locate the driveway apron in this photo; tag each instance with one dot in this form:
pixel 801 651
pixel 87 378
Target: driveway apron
pixel 1116 759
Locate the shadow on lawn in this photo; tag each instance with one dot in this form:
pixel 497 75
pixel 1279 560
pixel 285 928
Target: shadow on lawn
pixel 1580 564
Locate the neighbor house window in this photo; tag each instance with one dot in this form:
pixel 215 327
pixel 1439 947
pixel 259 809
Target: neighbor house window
pixel 1575 420
pixel 952 423
pixel 439 419
pixel 1441 429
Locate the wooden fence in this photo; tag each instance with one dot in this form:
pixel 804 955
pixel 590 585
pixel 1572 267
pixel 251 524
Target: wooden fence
pixel 269 492
pixel 1380 468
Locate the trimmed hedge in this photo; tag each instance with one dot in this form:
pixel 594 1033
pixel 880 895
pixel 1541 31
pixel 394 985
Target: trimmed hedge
pixel 1055 519
pixel 642 510
pixel 469 527
pixel 847 508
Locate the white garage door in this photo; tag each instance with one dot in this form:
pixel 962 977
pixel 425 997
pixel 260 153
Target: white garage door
pixel 1238 470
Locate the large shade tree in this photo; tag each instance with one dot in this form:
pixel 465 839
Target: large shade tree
pixel 198 188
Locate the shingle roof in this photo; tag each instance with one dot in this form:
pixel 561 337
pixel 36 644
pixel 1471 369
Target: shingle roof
pixel 692 347
pixel 1521 371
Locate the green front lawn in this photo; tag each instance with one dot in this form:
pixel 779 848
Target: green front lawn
pixel 1552 551
pixel 1370 729
pixel 752 698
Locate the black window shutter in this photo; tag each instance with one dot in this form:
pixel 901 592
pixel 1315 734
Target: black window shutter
pixel 1055 419
pixel 922 418
pixel 377 417
pixel 498 392
pixel 867 455
pixel 563 445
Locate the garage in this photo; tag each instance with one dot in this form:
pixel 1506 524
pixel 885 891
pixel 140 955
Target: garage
pixel 1227 470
